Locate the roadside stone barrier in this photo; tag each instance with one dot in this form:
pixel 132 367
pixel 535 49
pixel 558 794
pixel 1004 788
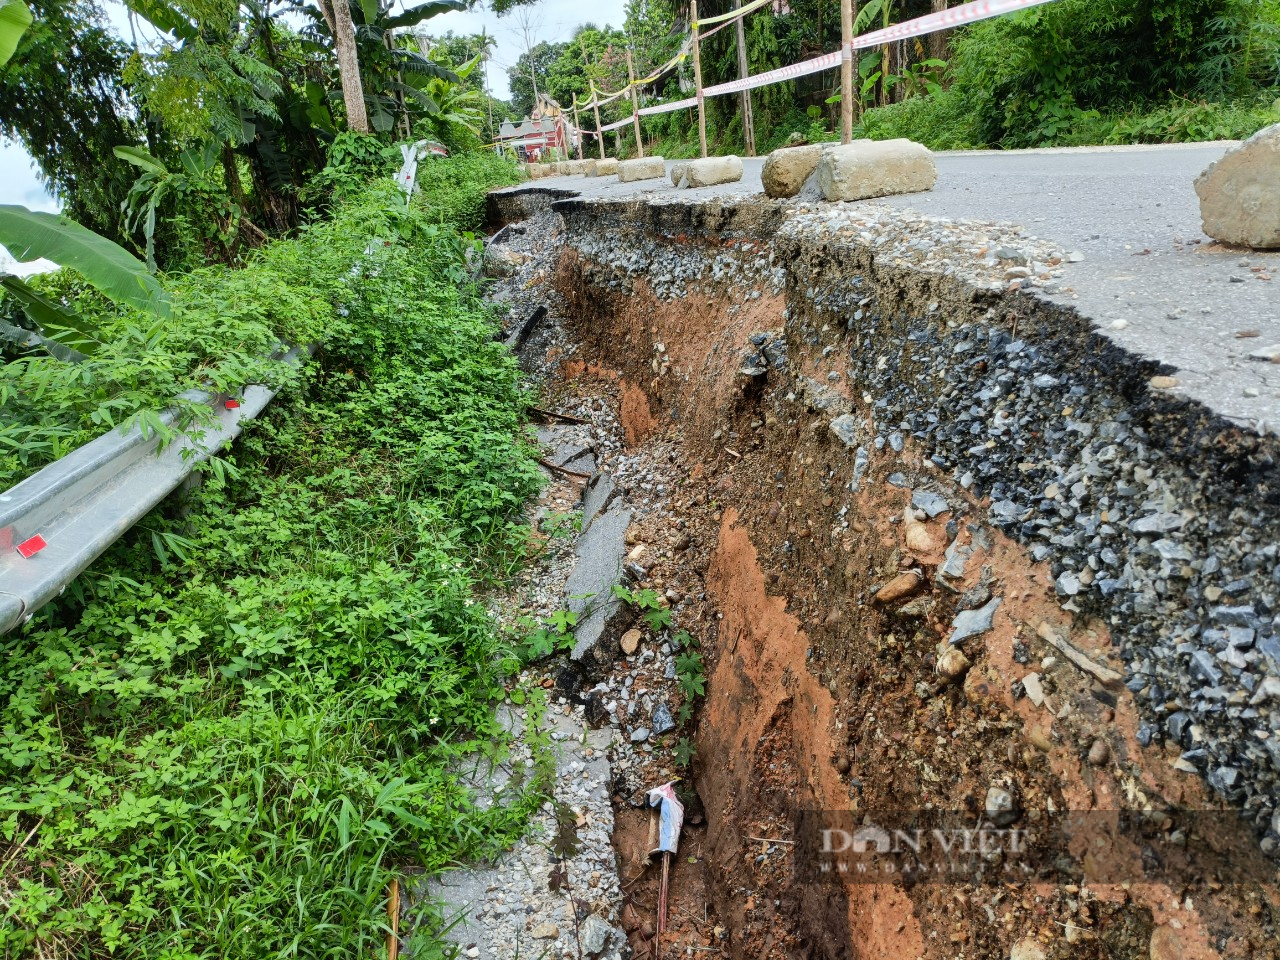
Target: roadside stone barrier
pixel 710 171
pixel 1240 194
pixel 601 168
pixel 786 170
pixel 871 168
pixel 644 168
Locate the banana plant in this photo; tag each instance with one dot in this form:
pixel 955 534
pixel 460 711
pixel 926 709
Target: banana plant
pixel 30 235
pixel 455 104
pixel 112 270
pixel 14 20
pixel 867 14
pixel 394 80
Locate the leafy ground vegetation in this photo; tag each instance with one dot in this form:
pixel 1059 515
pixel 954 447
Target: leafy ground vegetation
pixel 1082 72
pixel 228 739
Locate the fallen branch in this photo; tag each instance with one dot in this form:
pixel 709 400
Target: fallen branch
pixel 553 415
pixel 19 848
pixel 565 470
pixel 1053 636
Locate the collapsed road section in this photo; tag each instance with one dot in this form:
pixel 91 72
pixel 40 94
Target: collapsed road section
pixel 947 551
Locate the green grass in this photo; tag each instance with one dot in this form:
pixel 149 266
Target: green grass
pixel 239 725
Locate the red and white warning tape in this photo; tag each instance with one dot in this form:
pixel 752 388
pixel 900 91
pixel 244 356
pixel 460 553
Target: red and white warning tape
pixel 944 20
pixel 668 107
pixel 825 62
pixel 931 23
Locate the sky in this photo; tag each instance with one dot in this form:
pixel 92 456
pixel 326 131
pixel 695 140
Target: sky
pixel 553 20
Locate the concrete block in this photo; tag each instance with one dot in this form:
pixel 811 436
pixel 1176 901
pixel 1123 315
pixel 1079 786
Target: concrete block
pixel 677 172
pixel 602 168
pixel 875 168
pixel 786 170
pixel 1240 194
pixel 712 170
pixel 602 617
pixel 646 168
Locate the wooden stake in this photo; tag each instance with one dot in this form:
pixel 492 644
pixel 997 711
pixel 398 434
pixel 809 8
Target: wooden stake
pixel 662 893
pixel 748 118
pixel 596 106
pixel 846 71
pixel 697 79
pixel 635 104
pixel 393 914
pixel 577 126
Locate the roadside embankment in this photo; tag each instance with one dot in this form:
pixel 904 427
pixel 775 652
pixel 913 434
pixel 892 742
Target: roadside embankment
pixel 950 550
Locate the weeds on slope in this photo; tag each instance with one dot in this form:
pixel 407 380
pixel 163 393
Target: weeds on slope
pixel 240 724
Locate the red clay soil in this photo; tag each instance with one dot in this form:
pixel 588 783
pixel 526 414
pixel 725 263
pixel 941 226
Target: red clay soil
pixel 819 698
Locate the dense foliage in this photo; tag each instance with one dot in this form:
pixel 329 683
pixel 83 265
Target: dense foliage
pixel 237 108
pixel 227 739
pixel 61 97
pixel 1103 71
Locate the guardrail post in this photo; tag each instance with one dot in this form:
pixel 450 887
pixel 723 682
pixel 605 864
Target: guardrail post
pixel 846 71
pixel 635 104
pixel 595 105
pixel 697 79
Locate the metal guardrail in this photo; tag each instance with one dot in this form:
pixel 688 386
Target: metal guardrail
pixel 58 521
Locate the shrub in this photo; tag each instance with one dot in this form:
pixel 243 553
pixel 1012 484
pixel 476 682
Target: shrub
pixel 244 721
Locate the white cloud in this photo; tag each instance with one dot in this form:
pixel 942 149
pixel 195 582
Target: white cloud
pixel 19 182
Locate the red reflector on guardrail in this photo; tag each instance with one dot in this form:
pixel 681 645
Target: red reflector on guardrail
pixel 29 548
pixel 232 404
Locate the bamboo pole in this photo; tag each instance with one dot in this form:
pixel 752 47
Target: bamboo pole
pixel 595 105
pixel 635 104
pixel 748 117
pixel 846 71
pixel 393 915
pixel 697 79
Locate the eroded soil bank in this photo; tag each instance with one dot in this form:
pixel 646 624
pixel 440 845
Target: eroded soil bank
pixel 853 460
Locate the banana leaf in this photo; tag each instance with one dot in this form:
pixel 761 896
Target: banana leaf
pixel 110 268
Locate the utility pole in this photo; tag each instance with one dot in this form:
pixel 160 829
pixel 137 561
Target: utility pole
pixel 595 105
pixel 846 71
pixel 697 79
pixel 635 103
pixel 748 119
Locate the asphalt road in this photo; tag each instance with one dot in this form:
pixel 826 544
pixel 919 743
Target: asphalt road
pixel 1133 213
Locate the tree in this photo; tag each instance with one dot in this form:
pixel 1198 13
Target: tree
pixel 65 100
pixel 337 14
pixel 532 65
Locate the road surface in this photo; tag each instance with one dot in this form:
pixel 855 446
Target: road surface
pixel 1133 213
